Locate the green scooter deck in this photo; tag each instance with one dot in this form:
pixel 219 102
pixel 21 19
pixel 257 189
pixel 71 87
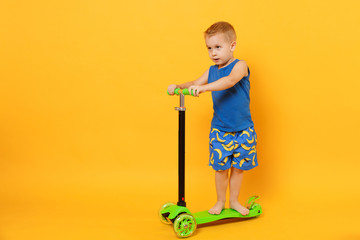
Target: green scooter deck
pixel 205 217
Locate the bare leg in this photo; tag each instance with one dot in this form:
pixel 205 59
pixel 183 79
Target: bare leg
pixel 235 184
pixel 221 182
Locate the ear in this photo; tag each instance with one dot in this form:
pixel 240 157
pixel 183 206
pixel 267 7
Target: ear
pixel 233 46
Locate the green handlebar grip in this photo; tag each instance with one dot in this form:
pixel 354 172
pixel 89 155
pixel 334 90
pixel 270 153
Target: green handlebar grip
pixel 184 91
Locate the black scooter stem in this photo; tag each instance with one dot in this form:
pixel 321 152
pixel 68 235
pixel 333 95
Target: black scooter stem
pixel 181 201
pixel 181 167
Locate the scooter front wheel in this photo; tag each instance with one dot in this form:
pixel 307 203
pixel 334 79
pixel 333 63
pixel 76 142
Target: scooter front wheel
pixel 184 225
pixel 162 218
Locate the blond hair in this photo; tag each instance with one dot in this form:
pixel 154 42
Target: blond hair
pixel 221 27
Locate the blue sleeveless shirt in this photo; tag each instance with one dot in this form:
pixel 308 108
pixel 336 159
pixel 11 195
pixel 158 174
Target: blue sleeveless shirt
pixel 232 105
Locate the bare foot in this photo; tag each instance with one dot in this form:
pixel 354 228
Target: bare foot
pixel 238 207
pixel 217 208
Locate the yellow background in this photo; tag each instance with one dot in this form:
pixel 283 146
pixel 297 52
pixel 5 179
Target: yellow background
pixel 88 136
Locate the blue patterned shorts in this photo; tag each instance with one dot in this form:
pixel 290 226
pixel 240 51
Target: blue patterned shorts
pixel 233 149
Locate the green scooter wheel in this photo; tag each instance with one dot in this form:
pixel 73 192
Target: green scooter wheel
pixel 162 219
pixel 184 225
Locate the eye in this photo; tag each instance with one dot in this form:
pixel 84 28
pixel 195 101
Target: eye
pixel 209 48
pixel 218 47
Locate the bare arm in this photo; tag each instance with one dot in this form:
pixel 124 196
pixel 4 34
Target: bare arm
pixel 237 73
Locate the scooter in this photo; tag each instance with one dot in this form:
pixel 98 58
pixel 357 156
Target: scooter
pixel 185 222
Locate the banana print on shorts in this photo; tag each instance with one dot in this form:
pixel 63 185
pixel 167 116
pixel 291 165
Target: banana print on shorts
pixel 233 149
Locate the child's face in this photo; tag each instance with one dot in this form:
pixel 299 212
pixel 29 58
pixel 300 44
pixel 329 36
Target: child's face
pixel 220 49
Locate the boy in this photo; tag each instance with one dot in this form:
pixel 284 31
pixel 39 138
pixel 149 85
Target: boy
pixel 232 135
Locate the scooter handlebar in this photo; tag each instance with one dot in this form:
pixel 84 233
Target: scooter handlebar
pixel 184 91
